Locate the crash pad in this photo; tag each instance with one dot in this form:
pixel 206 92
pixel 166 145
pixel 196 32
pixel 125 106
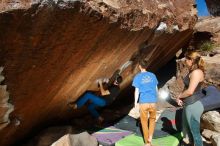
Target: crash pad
pixel 169 122
pixel 134 140
pixel 211 100
pixel 130 124
pixel 108 136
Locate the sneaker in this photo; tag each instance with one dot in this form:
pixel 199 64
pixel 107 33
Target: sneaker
pixel 100 120
pixel 72 105
pixel 148 144
pixel 186 140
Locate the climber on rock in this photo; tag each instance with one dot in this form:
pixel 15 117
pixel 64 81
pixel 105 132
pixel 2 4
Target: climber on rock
pixel 108 93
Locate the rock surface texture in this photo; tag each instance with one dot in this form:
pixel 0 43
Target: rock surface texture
pixel 5 107
pixel 214 137
pixel 53 51
pixel 211 121
pixel 213 7
pixel 211 25
pixel 132 14
pixel 212 71
pixel 211 125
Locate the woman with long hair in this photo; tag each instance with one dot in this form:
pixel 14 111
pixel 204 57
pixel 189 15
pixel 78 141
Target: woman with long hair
pixel 189 98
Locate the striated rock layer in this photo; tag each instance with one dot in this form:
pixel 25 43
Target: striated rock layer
pixel 54 51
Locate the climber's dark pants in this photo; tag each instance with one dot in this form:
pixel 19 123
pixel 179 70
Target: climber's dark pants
pixel 95 100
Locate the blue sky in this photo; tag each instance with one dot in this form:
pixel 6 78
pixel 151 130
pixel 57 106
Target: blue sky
pixel 202 8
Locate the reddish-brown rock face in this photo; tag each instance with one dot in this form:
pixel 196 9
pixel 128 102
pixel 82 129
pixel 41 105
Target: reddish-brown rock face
pixel 132 14
pixel 52 52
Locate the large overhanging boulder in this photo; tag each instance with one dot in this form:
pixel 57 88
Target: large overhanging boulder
pixel 53 51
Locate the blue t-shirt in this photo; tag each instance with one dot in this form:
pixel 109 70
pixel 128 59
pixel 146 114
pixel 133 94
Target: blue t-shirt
pixel 146 82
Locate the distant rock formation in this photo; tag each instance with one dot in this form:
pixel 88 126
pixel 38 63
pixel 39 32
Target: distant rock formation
pixel 209 25
pixel 212 70
pixel 213 7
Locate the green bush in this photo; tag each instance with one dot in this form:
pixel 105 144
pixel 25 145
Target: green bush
pixel 207 46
